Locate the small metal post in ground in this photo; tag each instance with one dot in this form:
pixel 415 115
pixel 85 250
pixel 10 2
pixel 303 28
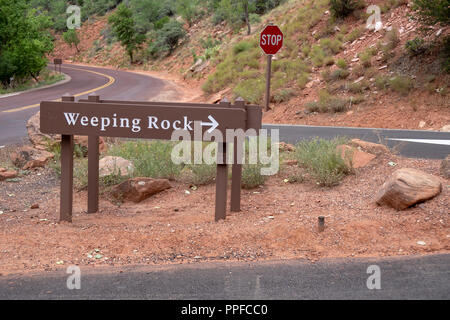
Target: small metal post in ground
pixel 321 223
pixel 66 198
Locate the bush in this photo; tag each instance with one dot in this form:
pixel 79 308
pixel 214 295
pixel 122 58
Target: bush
pixel 392 39
pixel 401 84
pixel 327 103
pixel 352 36
pixel 251 90
pixel 365 58
pixel 283 95
pixel 242 46
pixel 342 63
pixel 415 46
pixel 381 82
pixel 312 106
pixel 150 159
pixel 323 161
pixel 202 174
pixel 342 8
pixel 251 176
pixel 166 39
pixel 339 74
pixel 71 38
pixel 432 12
pixel 302 79
pixel 358 70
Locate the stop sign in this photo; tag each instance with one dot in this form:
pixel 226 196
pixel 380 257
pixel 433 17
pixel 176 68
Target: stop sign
pixel 271 39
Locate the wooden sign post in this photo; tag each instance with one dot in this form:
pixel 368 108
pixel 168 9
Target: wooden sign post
pixel 94 117
pixel 57 62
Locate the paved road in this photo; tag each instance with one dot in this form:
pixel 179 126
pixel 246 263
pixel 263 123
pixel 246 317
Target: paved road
pixel 121 85
pixel 409 143
pixel 426 277
pixel 114 84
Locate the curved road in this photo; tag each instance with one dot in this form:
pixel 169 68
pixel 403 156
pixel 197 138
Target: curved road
pixel 121 85
pixel 113 84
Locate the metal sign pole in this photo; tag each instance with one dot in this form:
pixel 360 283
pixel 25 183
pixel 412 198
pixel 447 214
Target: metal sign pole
pixel 268 75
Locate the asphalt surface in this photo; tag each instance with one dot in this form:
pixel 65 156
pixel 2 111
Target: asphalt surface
pixel 427 144
pixel 421 277
pixel 122 86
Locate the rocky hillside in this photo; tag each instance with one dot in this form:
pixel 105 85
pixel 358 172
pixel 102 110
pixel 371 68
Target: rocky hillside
pixel 330 71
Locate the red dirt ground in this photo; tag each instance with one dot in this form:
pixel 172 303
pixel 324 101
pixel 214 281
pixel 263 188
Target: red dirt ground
pixel 277 221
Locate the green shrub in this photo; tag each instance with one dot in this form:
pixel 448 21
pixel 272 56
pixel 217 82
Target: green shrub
pixel 415 46
pixel 323 161
pixel 392 39
pixel 327 103
pixel 339 74
pixel 342 63
pixel 381 82
pixel 432 12
pixel 306 50
pixel 283 95
pixel 302 79
pixel 355 34
pixel 151 159
pixel 312 106
pixel 202 174
pixel 166 39
pixel 71 38
pixel 251 176
pixel 358 70
pixel 365 58
pixel 342 8
pixel 328 61
pixel 401 84
pixel 317 56
pixel 370 73
pixel 251 90
pixel 355 87
pixel 242 46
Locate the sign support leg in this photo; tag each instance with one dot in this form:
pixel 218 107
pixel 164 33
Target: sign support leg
pixel 268 75
pixel 93 157
pixel 65 213
pixel 221 182
pixel 236 178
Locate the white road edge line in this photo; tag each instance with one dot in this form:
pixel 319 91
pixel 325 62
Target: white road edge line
pixel 428 141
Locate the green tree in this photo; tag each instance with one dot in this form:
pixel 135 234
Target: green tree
pixel 166 39
pixel 342 8
pixel 188 9
pixel 123 27
pixel 24 40
pixel 71 38
pixel 432 12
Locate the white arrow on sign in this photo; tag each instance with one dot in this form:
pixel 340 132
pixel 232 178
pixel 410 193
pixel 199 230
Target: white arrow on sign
pixel 213 124
pixel 428 141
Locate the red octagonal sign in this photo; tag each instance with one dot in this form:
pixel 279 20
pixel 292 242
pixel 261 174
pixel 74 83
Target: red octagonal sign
pixel 271 39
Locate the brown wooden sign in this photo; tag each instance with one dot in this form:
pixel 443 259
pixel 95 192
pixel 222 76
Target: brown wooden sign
pixel 57 62
pixel 135 121
pixel 148 120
